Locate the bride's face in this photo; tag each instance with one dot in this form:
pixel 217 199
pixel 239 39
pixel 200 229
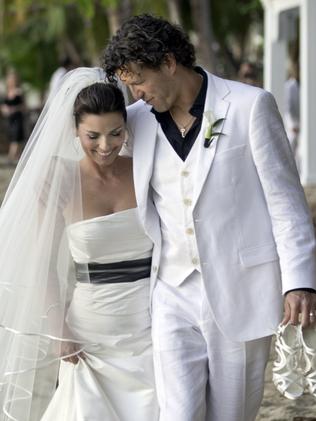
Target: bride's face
pixel 102 136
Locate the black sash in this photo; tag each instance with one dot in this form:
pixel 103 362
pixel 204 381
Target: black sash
pixel 107 273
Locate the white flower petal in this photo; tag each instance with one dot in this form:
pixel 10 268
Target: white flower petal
pixel 209 115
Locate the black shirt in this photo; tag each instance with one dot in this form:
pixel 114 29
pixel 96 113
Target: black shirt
pixel 182 146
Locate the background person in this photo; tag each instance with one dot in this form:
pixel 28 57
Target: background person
pixel 292 110
pixel 66 64
pixel 13 109
pixel 248 73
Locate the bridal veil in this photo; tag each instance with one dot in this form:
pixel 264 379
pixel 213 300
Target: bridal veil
pixel 37 274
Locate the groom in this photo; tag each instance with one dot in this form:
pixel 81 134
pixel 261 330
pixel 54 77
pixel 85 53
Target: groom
pixel 211 157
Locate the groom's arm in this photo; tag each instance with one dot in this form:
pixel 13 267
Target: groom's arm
pixel 290 216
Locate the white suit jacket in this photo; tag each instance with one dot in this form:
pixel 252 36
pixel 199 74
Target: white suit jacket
pixel 253 226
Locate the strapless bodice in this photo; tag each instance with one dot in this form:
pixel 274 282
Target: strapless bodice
pixel 110 238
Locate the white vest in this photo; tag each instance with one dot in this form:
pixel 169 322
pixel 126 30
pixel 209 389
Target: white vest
pixel 173 185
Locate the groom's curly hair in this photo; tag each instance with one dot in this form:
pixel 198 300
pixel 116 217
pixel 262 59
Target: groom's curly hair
pixel 146 40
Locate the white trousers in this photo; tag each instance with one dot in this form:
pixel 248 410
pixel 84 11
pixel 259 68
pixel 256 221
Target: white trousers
pixel 201 375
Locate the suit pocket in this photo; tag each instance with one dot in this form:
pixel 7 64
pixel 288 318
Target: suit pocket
pixel 252 256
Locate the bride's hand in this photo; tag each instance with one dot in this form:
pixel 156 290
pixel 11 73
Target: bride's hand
pixel 70 348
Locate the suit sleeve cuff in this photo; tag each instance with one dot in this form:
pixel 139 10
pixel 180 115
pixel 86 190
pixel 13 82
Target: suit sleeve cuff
pixel 302 289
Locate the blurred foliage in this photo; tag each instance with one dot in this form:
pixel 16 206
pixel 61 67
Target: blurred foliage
pixel 235 17
pixel 36 34
pixel 157 7
pixel 234 23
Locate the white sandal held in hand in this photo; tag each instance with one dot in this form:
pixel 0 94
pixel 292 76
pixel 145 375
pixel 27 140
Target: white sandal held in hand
pixel 309 351
pixel 287 372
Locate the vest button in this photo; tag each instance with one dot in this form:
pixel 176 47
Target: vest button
pixel 187 202
pixel 155 269
pixel 185 173
pixel 195 261
pixel 189 231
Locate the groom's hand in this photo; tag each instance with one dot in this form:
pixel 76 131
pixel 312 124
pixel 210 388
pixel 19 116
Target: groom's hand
pixel 300 306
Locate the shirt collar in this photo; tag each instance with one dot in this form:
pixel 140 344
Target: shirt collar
pixel 197 108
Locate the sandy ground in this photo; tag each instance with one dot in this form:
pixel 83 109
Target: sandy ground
pixel 274 406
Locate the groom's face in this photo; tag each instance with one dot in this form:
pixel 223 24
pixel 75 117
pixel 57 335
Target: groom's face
pixel 154 86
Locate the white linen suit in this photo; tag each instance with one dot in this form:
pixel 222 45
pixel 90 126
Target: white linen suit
pixel 253 228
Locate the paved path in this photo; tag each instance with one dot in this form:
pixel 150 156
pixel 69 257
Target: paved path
pixel 274 407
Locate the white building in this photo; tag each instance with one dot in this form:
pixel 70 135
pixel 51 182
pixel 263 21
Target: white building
pixel 279 28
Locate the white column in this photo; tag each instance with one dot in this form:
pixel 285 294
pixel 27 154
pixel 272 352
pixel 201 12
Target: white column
pixel 308 92
pixel 267 70
pixel 274 57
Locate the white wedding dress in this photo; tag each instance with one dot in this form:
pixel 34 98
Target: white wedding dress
pixel 115 380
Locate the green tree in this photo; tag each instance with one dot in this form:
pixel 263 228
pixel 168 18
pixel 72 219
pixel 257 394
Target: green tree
pixel 34 34
pixel 232 23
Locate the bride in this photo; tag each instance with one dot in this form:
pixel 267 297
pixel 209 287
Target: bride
pixel 75 267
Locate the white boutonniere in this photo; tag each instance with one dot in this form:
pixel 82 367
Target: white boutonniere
pixel 210 130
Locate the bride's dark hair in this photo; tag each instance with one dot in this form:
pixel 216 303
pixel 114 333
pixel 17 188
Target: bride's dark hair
pixel 99 98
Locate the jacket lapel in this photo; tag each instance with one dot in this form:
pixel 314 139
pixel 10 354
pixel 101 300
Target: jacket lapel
pixel 215 102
